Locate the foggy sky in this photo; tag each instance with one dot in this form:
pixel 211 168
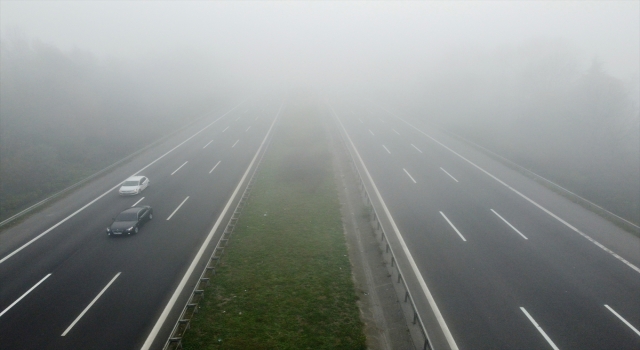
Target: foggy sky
pixel 319 40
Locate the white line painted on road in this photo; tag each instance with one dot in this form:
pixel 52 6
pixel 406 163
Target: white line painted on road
pixel 403 244
pixel 454 179
pixel 394 130
pixel 381 119
pixel 235 143
pixel 458 232
pixel 615 255
pixel 385 147
pixel 258 116
pixel 507 222
pixel 623 320
pixel 360 120
pixel 238 118
pixel 90 304
pixel 409 175
pixel 372 134
pixel 23 295
pixel 170 216
pixel 205 146
pixel 165 313
pixel 136 203
pixel 214 167
pixel 175 171
pixel 248 128
pixel 546 337
pixel 225 129
pixel 417 149
pixel 113 188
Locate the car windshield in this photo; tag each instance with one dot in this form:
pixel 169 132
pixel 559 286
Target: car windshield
pixel 130 183
pixel 127 217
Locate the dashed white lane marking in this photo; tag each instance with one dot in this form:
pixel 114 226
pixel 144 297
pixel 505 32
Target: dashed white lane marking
pixel 454 228
pixel 372 134
pixel 214 167
pixel 205 146
pixel 225 129
pixel 454 179
pixel 360 120
pixel 546 337
pixel 614 254
pixel 248 128
pixel 23 295
pixel 381 120
pixel 258 117
pixel 403 244
pixel 623 320
pixel 178 208
pixel 175 171
pixel 386 149
pixel 235 143
pixel 394 130
pixel 90 305
pixel 136 203
pixel 237 118
pixel 417 149
pixel 507 222
pixel 113 188
pixel 409 175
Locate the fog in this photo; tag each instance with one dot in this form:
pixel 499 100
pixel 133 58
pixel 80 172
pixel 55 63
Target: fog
pixel 550 85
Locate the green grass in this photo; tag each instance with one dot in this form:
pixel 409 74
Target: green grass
pixel 285 279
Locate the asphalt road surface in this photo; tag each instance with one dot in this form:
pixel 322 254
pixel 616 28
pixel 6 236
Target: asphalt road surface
pixel 509 263
pixel 64 284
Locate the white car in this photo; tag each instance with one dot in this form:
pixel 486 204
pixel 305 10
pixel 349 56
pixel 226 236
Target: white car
pixel 133 185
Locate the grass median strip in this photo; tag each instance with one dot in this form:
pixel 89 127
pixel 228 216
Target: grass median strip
pixel 285 279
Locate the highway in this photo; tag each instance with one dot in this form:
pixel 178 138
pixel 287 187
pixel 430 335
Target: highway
pixel 64 284
pixel 509 263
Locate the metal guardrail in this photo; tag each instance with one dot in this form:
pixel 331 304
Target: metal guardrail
pixel 394 268
pixel 191 308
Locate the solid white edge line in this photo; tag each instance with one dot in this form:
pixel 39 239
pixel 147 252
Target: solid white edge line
pixel 385 147
pixel 412 263
pixel 214 167
pixel 225 129
pixel 111 189
pixel 175 171
pixel 170 216
pixel 90 304
pixel 417 149
pixel 411 177
pixel 165 313
pixel 458 232
pixel 615 255
pixel 372 134
pixel 623 320
pixel 205 146
pixel 136 203
pixel 235 143
pixel 546 337
pixel 23 295
pixel 451 176
pixel 507 222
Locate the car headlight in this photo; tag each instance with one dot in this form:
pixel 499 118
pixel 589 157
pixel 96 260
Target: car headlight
pixel 130 228
pixel 108 229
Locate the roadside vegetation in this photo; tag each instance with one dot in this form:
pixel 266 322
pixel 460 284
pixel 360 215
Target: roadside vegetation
pixel 66 115
pixel 285 279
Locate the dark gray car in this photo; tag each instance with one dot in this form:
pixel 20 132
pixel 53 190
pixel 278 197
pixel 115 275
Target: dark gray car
pixel 130 221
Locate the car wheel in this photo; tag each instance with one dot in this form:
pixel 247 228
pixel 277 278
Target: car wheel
pixel 135 230
pixel 150 216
